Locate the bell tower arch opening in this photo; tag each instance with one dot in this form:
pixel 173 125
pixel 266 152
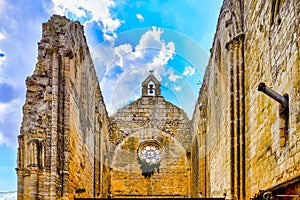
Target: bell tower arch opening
pixel 151 86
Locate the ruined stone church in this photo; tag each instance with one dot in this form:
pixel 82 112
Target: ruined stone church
pixel 243 141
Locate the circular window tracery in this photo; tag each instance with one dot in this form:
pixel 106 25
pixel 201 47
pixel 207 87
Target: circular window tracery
pixel 150 153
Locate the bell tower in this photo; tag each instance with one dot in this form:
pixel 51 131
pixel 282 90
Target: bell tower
pixel 151 86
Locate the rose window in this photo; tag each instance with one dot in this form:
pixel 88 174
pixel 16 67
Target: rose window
pixel 150 153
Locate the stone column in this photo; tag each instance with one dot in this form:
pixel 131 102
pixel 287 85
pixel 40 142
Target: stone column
pixel 20 167
pixel 33 183
pixel 20 175
pixel 230 48
pixel 66 123
pixel 54 119
pixel 237 117
pixel 242 117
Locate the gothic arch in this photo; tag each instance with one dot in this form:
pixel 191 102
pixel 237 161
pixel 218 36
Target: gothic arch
pixel 233 24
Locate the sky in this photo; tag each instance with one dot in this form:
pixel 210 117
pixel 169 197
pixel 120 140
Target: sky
pixel 126 38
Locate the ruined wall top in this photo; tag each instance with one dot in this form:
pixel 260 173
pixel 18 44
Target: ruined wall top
pixel 63 112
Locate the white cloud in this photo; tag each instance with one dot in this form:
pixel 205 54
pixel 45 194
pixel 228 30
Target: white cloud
pixel 165 54
pixel 9 197
pixel 91 10
pixel 150 53
pixel 177 88
pixel 149 41
pixel 10 114
pixel 2 33
pixel 110 36
pixel 140 18
pixel 2 5
pixel 118 92
pixel 6 109
pixel 122 51
pixel 174 77
pixel 189 71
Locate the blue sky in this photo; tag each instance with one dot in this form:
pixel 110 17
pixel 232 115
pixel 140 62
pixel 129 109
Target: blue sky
pixel 126 40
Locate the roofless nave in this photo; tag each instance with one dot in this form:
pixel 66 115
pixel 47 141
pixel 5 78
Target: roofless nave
pixel 240 143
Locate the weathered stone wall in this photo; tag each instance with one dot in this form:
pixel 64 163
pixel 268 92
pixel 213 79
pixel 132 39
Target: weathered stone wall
pixel 243 142
pixel 152 112
pixel 272 56
pixel 65 122
pixel 240 145
pixel 151 119
pixel 217 121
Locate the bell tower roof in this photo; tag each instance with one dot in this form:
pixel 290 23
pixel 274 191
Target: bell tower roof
pixel 151 86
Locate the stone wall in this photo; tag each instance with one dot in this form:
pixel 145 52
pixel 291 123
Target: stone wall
pixel 151 119
pixel 65 124
pixel 272 57
pixel 242 141
pixel 218 117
